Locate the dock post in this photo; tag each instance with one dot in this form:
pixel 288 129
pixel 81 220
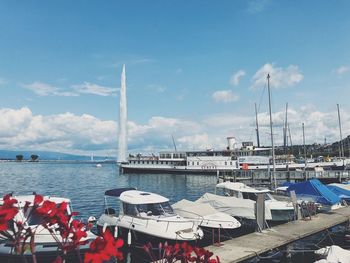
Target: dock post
pixel 260 212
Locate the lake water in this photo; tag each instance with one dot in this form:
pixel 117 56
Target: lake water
pixel 85 185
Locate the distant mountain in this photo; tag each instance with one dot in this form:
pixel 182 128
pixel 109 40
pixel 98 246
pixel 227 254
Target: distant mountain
pixel 44 155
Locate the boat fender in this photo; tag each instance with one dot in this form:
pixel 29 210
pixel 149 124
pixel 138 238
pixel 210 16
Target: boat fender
pixel 115 232
pixel 104 227
pixel 129 238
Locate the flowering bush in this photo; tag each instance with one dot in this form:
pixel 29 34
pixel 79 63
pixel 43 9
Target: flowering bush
pixel 68 233
pixel 180 253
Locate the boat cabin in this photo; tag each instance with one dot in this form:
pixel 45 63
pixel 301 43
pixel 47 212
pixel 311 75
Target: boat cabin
pixel 242 191
pixel 143 204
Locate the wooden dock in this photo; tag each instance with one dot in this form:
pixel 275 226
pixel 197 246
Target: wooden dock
pixel 248 246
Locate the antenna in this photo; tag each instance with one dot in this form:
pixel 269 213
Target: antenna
pixel 174 143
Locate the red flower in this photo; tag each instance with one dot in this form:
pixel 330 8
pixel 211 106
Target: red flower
pixel 38 199
pixel 103 248
pixel 7 211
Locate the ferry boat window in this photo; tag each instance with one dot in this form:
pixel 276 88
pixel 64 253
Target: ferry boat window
pixel 143 162
pixel 161 162
pixel 147 162
pixel 166 162
pixel 230 163
pixel 192 163
pixel 197 163
pixel 152 162
pixel 138 162
pixel 188 163
pixel 129 209
pixel 225 163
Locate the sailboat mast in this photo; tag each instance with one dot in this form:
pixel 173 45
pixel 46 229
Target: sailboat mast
pixel 285 142
pixel 272 144
pixel 304 148
pixel 174 143
pixel 257 127
pixel 341 148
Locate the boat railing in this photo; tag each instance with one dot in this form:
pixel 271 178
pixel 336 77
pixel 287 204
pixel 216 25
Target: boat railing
pixel 157 219
pixel 202 217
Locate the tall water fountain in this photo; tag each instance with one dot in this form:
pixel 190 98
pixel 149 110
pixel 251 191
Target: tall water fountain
pixel 122 119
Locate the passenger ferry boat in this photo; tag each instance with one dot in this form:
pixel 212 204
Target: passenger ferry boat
pixel 203 162
pixel 248 157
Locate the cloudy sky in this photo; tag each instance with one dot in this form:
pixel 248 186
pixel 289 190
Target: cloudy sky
pixel 194 71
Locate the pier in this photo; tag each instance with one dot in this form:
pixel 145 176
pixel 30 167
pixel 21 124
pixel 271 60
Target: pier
pixel 264 176
pixel 251 245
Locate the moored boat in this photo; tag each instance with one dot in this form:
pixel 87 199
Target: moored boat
pixel 208 218
pixel 238 200
pixel 48 241
pixel 146 217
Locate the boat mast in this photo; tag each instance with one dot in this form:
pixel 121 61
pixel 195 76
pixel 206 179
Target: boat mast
pixel 273 178
pixel 257 127
pixel 290 137
pixel 341 148
pixel 174 143
pixel 304 147
pixel 285 130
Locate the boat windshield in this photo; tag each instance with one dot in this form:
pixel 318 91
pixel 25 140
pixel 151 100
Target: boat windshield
pixel 158 209
pixel 34 218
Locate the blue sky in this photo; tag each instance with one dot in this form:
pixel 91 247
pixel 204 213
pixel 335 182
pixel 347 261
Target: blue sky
pixel 194 70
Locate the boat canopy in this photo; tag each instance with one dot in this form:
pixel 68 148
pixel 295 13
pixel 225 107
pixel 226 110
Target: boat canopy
pixel 341 192
pixel 117 192
pixel 240 187
pixel 139 197
pixel 315 190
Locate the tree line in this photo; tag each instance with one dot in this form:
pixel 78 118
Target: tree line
pixel 33 157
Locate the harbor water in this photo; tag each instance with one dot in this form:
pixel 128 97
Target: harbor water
pixel 85 184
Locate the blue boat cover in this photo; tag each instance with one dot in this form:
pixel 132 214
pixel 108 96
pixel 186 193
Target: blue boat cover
pixel 118 191
pixel 342 193
pixel 316 191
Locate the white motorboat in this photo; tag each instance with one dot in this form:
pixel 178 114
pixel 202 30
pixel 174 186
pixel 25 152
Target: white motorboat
pixel 47 243
pixel 238 200
pixel 145 217
pixel 207 217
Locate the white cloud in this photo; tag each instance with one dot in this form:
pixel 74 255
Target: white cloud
pixel 224 96
pixel 178 71
pixel 280 77
pixel 44 89
pixel 257 6
pixel 91 88
pixel 3 81
pixel 20 129
pixel 157 88
pixel 66 132
pixel 342 70
pixel 236 77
